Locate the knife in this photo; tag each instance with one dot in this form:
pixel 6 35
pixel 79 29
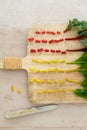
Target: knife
pixel 28 111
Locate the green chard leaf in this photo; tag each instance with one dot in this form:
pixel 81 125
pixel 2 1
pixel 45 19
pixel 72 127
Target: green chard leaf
pixel 83 23
pixel 83 33
pixel 83 72
pixel 82 59
pixel 83 66
pixel 84 28
pixel 81 93
pixel 84 83
pixel 82 62
pixel 81 27
pixel 84 41
pixel 75 23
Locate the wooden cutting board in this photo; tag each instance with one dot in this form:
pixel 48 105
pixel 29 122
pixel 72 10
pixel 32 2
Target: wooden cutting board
pixel 54 88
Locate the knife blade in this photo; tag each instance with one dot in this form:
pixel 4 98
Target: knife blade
pixel 29 111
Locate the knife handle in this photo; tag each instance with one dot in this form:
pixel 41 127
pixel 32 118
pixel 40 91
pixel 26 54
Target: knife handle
pixel 28 111
pixel 11 63
pixel 20 113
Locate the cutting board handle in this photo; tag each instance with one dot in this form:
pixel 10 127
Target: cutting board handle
pixel 12 63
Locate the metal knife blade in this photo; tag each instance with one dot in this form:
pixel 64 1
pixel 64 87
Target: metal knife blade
pixel 28 111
